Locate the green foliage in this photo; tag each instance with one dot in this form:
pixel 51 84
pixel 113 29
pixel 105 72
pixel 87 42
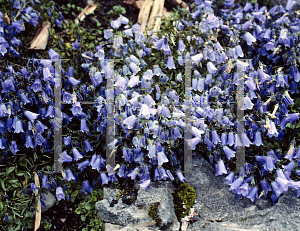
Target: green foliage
pixel 153 214
pixel 184 195
pixel 117 10
pixel 88 211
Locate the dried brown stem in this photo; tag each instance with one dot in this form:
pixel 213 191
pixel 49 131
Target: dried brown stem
pixel 41 37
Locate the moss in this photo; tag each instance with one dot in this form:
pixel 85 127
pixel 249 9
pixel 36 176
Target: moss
pixel 184 195
pixel 153 214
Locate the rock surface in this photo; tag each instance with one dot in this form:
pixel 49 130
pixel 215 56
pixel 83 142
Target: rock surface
pixel 120 216
pixel 50 201
pixel 218 209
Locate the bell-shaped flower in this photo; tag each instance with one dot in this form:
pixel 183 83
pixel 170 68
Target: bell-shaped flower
pixel 253 194
pixel 40 127
pixel 47 75
pixel 197 58
pixel 246 141
pixel 28 143
pixel 24 99
pixel 86 187
pixel 181 46
pixel 14 148
pixel 108 33
pixel 31 116
pixel 272 131
pixel 64 157
pixel 83 126
pixel 133 173
pixel 228 152
pixel 87 146
pixel 104 178
pixel 257 139
pixel 211 68
pixel 180 176
pixel 67 140
pixel 115 24
pixel 73 81
pixel 19 127
pixel 269 164
pixel 236 184
pixel 161 157
pixel 76 45
pixel 145 111
pixel 36 86
pixel 250 83
pixel 276 189
pixel 59 193
pixel 50 112
pixel 133 81
pixel 220 168
pixel 162 44
pixel 134 68
pixel 45 183
pixel 17 4
pixel 83 165
pixel 290 166
pixel 69 175
pixel 171 177
pixel 76 154
pixel 249 38
pixel 76 109
pixel 145 184
pixel 130 121
pixel 215 137
pixel 170 63
pixel 224 139
pixel 121 84
pixel 289 4
pixel 229 179
pixel 243 189
pixel 247 104
pixel 193 142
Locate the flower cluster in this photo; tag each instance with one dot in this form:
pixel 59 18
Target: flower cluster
pixel 249 47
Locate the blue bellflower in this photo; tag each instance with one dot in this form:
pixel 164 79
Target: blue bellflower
pixel 86 187
pixel 59 193
pixel 64 157
pixel 220 168
pixel 83 165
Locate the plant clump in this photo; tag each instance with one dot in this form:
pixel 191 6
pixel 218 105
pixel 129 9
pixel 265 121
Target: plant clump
pixel 184 199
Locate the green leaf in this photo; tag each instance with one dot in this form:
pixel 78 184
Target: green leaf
pixel 78 210
pixel 88 206
pixel 83 218
pixel 10 169
pixel 74 194
pixel 2 184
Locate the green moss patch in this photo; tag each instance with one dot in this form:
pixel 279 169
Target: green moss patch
pixel 184 195
pixel 153 214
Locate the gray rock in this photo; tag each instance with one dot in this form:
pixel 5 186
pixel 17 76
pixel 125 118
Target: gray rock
pixel 160 192
pixel 50 201
pixel 121 216
pixel 218 209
